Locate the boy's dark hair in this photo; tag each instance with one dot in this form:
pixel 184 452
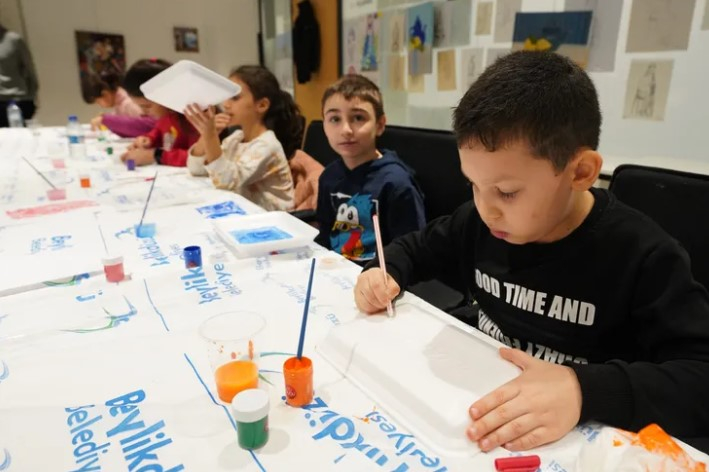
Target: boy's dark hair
pixel 356 86
pixel 283 116
pixel 140 72
pixel 92 86
pixel 541 98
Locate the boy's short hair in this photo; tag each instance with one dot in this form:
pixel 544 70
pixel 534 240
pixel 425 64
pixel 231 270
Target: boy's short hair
pixel 541 98
pixel 356 86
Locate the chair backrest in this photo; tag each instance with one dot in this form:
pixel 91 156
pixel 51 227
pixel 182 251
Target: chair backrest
pixel 432 154
pixel 677 201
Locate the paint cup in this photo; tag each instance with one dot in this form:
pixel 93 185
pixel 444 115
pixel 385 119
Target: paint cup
pixel 250 409
pixel 193 257
pixel 58 163
pixel 146 230
pixel 233 340
pixel 130 163
pixel 85 180
pixel 56 194
pixel 109 151
pixel 113 268
pixel 298 376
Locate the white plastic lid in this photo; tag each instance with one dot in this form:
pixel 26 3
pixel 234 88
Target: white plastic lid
pixel 249 406
pixel 112 260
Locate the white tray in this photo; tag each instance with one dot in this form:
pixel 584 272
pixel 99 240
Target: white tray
pixel 187 82
pixel 255 235
pixel 420 368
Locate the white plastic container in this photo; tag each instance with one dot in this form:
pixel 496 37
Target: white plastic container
pixel 187 82
pixel 421 367
pixel 255 235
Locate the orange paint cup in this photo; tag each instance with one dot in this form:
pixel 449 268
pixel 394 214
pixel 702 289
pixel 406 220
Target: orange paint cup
pixel 233 341
pixel 85 181
pixel 298 375
pixel 234 377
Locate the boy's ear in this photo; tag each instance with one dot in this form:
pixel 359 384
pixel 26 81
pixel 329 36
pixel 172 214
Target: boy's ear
pixel 381 124
pixel 586 168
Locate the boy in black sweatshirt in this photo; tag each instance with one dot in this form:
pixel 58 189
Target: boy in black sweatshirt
pixel 596 301
pixel 365 180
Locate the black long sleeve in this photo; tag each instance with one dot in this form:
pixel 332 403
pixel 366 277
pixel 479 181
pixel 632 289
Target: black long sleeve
pixel 615 300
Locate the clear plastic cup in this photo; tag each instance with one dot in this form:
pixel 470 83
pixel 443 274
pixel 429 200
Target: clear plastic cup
pixel 234 341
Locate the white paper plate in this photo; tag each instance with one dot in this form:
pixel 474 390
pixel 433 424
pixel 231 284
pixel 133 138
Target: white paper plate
pixel 187 82
pixel 422 369
pixel 255 235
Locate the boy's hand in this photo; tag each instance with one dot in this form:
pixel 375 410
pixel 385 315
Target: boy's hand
pixel 370 294
pixel 203 121
pixel 142 157
pixel 538 407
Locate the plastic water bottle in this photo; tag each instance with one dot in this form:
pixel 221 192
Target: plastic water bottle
pixel 77 148
pixel 14 116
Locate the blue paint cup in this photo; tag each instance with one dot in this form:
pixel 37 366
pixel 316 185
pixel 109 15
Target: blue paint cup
pixel 146 230
pixel 193 257
pixel 130 164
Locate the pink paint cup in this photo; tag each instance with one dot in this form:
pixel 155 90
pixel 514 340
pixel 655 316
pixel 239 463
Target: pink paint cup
pixel 56 194
pixel 58 163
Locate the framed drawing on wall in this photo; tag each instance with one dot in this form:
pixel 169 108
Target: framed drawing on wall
pixel 186 39
pixel 101 57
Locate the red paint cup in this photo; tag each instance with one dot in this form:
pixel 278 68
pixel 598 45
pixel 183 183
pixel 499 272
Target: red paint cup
pixel 113 268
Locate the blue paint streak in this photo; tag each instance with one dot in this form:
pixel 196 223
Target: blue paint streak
pixel 150 299
pixel 339 458
pixel 5 372
pixel 5 464
pixel 226 411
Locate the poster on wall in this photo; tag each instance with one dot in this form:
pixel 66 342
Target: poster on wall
pixel 471 66
pixel 420 39
pixel 505 11
pixel 483 19
pixel 100 56
pixel 566 33
pixel 660 25
pixel 647 89
pixel 445 65
pixel 361 46
pixel 186 39
pixel 451 23
pixel 605 28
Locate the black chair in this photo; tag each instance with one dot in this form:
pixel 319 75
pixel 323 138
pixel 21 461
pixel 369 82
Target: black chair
pixel 676 201
pixel 433 156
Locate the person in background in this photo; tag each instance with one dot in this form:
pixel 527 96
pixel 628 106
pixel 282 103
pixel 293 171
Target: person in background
pixel 167 143
pixel 365 180
pixel 18 78
pixel 106 92
pixel 252 161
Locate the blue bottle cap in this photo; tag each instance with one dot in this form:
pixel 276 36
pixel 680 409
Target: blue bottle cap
pixel 73 118
pixel 193 256
pixel 130 163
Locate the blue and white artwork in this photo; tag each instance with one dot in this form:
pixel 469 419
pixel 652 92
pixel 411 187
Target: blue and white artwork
pixel 264 234
pixel 220 210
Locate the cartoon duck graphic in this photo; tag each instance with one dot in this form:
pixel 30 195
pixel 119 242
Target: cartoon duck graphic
pixel 352 233
pixel 417 35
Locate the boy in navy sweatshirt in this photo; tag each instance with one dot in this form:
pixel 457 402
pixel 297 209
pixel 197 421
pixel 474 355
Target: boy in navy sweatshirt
pixel 596 302
pixel 365 181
